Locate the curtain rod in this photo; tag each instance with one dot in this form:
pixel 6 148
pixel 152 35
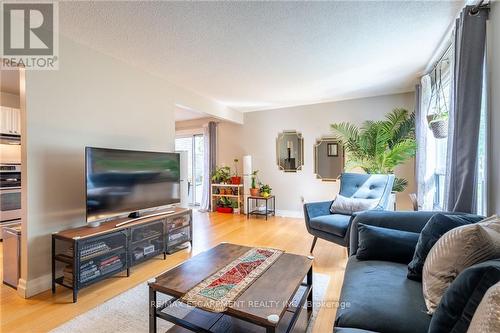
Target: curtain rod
pixel 475 10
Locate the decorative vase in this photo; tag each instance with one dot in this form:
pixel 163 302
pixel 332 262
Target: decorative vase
pixel 235 180
pixel 254 192
pixel 225 210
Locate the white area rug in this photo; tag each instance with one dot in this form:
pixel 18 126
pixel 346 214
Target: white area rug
pixel 128 312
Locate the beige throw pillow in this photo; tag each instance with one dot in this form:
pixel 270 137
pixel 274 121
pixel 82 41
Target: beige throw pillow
pixel 456 250
pixel 486 319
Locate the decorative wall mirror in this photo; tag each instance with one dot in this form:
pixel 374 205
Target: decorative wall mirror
pixel 290 151
pixel 328 159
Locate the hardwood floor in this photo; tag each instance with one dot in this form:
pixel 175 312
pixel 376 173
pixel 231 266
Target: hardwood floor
pixel 45 311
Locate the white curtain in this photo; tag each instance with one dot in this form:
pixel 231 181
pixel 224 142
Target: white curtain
pixel 426 149
pixel 205 195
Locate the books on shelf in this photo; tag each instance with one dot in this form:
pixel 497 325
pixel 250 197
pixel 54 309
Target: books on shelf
pixel 93 249
pixel 68 275
pixel 94 269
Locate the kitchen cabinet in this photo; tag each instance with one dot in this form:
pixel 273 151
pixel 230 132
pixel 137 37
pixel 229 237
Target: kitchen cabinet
pixel 10 121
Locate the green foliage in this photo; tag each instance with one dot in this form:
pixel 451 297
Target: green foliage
pixel 235 161
pixel 254 178
pixel 379 146
pixel 438 117
pixel 222 175
pixel 265 188
pixel 225 202
pixel 399 184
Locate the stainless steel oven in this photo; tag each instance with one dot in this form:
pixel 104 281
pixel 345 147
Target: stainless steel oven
pixel 10 192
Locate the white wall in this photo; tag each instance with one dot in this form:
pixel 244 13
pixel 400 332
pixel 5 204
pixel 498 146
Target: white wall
pixel 92 100
pixel 258 134
pixel 494 76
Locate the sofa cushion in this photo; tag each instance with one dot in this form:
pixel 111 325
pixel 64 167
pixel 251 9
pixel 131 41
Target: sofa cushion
pixel 486 317
pixel 336 224
pixel 437 226
pixel 378 297
pixel 377 243
pixel 461 299
pixel 457 250
pixel 349 206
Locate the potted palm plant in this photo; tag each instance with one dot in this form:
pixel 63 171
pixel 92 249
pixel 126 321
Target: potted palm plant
pixel 254 190
pixel 380 146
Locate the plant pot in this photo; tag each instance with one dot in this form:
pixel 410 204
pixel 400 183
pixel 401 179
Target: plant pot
pixel 236 180
pixel 225 210
pixel 236 210
pixel 439 128
pixel 254 192
pixel 265 194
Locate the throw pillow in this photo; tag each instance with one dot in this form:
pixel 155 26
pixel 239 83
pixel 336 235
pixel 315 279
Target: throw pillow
pixel 377 243
pixel 461 299
pixel 458 249
pixel 436 227
pixel 348 206
pixel 487 316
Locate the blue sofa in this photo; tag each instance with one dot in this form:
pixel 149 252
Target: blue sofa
pixel 377 295
pixel 320 222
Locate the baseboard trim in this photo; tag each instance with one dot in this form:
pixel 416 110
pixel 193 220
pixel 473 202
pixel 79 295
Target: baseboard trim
pixel 21 288
pixel 290 213
pixel 28 288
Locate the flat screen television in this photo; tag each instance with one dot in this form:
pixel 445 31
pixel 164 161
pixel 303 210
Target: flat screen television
pixel 126 182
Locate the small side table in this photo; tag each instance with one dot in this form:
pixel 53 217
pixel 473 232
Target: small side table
pixel 270 209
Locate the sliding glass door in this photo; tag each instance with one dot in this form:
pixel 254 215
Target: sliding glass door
pixel 194 145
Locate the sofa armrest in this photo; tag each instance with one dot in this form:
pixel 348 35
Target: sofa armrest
pixel 399 220
pixel 314 209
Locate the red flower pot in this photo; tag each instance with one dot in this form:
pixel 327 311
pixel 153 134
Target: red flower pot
pixel 225 210
pixel 235 180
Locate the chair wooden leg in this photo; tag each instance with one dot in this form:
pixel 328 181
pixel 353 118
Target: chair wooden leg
pixel 313 244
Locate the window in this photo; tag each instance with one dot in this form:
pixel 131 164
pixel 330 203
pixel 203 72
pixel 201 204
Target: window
pixel 438 147
pixel 194 145
pixel 481 189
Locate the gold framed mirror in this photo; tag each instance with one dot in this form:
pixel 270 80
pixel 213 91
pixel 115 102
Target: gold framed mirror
pixel 290 151
pixel 329 159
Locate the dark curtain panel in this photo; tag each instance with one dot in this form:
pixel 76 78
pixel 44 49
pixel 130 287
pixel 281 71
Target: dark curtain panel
pixel 470 42
pixel 212 150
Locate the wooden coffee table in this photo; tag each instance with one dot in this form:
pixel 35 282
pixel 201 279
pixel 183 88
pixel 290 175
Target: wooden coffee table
pixel 281 290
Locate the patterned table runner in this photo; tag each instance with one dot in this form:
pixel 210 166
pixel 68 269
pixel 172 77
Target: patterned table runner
pixel 218 291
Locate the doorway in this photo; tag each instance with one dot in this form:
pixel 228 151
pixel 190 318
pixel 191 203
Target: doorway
pixel 194 145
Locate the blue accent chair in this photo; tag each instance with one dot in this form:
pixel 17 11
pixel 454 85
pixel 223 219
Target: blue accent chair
pixel 320 222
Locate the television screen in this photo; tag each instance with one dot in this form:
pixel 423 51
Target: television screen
pixel 121 182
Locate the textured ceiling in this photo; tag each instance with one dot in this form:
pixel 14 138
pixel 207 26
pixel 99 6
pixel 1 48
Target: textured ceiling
pixel 258 55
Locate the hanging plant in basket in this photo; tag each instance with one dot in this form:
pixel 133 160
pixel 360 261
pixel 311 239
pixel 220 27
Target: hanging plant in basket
pixel 437 118
pixel 438 124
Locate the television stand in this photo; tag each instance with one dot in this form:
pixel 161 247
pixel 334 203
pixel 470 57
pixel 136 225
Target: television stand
pixel 84 256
